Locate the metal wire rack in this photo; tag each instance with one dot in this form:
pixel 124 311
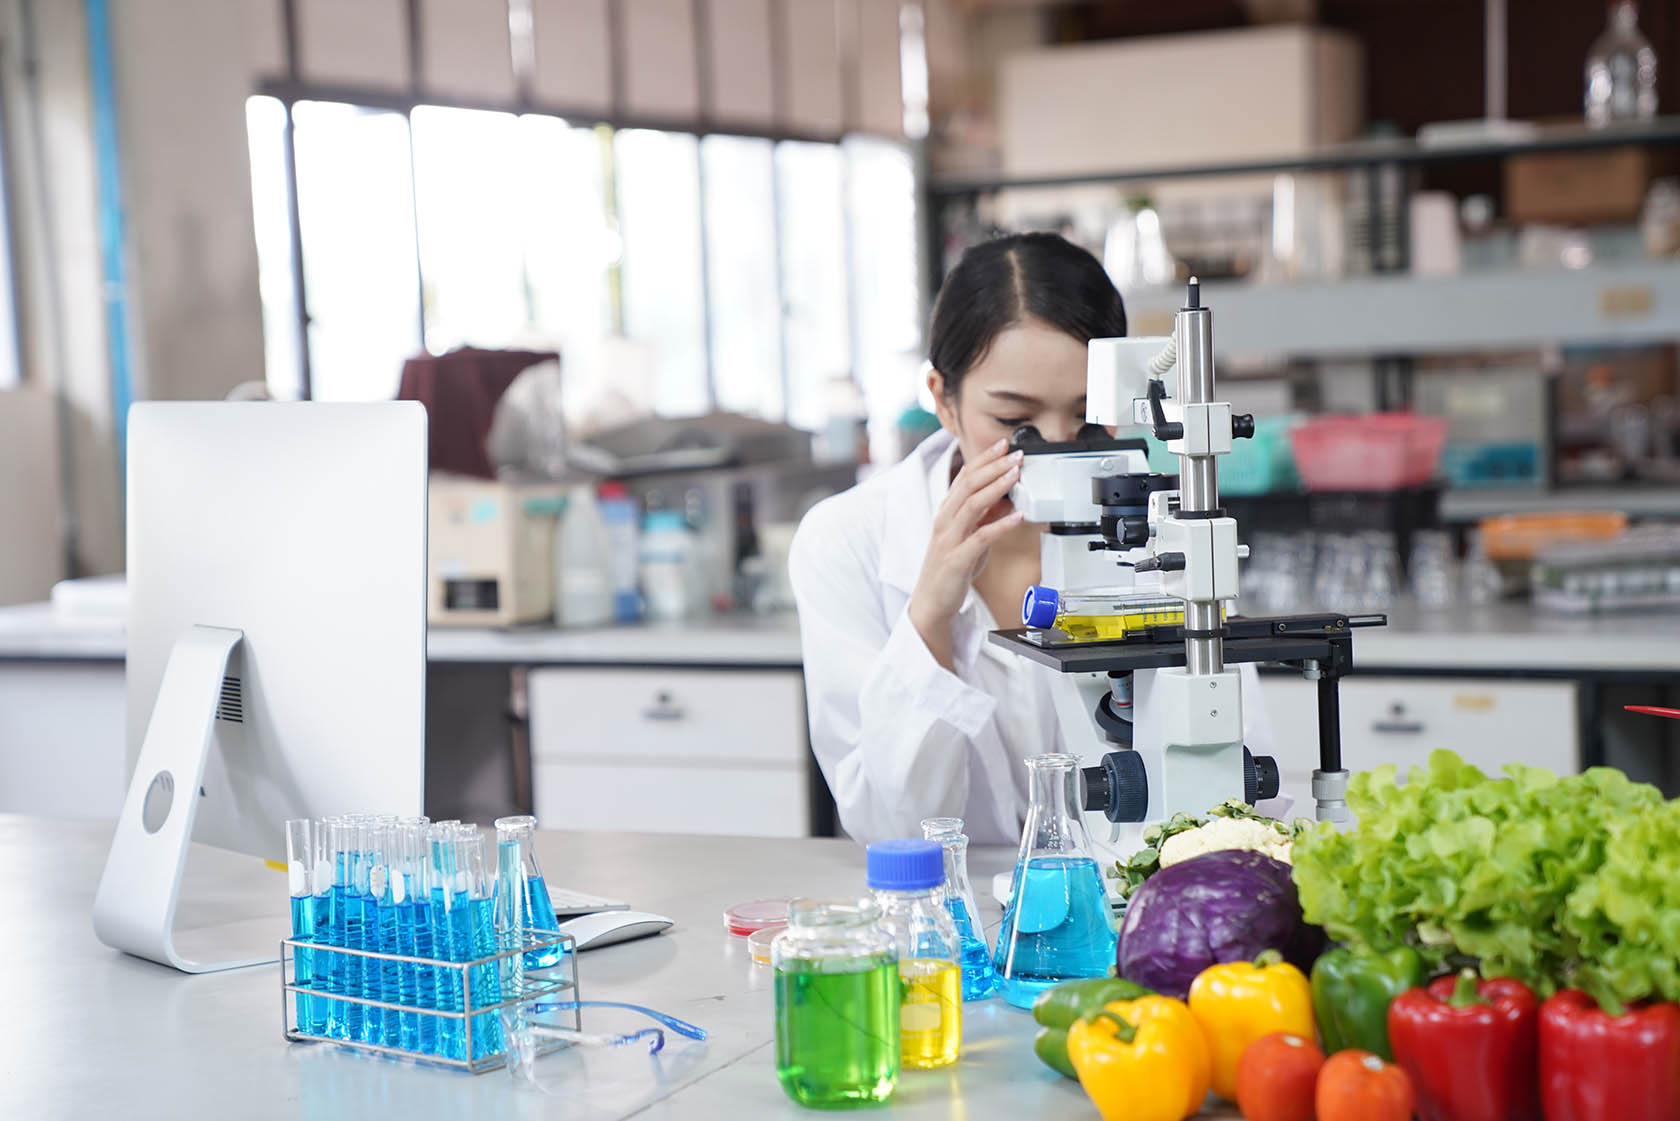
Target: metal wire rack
pixel 467 1035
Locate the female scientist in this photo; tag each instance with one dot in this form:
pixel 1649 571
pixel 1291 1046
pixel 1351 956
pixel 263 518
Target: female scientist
pixel 913 713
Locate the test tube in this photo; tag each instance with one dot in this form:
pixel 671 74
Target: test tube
pixel 414 831
pixel 408 893
pixel 486 1030
pixel 440 839
pixel 300 864
pixel 341 973
pixel 385 885
pixel 322 889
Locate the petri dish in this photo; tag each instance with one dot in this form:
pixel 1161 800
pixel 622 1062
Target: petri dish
pixel 758 943
pixel 744 919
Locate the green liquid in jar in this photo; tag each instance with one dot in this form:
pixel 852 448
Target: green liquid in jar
pixel 837 1039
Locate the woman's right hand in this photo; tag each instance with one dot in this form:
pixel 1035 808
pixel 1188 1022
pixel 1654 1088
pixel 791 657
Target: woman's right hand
pixel 973 516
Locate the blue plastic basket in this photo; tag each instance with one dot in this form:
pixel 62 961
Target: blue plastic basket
pixel 1260 465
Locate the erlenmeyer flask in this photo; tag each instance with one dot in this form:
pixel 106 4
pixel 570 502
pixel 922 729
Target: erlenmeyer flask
pixel 979 979
pixel 1057 925
pixel 522 901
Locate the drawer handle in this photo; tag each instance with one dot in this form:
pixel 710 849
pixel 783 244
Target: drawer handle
pixel 1398 727
pixel 664 708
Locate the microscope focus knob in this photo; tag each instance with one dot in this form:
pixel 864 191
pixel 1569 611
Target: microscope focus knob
pixel 1260 777
pixel 1119 789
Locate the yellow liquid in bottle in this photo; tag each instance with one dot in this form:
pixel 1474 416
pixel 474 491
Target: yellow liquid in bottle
pixel 930 1019
pixel 1106 628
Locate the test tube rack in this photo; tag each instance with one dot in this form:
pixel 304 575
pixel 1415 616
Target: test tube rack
pixel 519 986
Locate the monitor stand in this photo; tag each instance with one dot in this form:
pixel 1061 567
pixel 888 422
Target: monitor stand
pixel 134 909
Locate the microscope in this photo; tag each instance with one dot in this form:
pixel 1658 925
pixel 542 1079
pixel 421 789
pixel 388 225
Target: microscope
pixel 1152 704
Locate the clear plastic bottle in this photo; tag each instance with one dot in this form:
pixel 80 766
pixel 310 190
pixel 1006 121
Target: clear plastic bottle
pixel 583 580
pixel 1621 73
pixel 979 979
pixel 908 878
pixel 1057 925
pixel 1098 616
pixel 837 1003
pixel 522 901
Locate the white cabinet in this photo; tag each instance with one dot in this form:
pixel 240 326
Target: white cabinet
pixel 671 750
pixel 62 736
pixel 1401 720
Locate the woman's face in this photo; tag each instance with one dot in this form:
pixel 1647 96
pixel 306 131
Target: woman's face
pixel 1031 374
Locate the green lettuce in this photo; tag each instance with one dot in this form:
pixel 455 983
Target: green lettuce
pixel 1465 866
pixel 1625 918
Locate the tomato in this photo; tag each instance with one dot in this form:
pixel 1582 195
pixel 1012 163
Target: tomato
pixel 1277 1077
pixel 1359 1086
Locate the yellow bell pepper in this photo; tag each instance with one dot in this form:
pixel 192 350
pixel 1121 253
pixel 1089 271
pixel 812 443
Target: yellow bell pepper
pixel 1240 1001
pixel 1141 1060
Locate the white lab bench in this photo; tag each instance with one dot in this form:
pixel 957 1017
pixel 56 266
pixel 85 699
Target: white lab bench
pixel 647 727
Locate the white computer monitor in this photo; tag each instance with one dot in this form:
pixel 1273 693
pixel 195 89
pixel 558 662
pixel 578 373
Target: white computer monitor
pixel 276 646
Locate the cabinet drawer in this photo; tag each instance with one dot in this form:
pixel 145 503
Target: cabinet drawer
pixel 639 799
pixel 671 715
pixel 1401 720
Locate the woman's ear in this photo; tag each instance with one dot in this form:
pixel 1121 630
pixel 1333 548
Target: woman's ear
pixel 944 407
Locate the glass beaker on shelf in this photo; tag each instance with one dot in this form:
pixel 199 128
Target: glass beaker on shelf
pixel 979 979
pixel 1057 925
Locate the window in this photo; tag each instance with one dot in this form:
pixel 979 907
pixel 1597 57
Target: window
pixel 265 126
pixel 664 299
pixel 356 213
pixel 682 273
pixel 742 272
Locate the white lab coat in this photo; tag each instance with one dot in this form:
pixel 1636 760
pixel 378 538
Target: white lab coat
pixel 899 737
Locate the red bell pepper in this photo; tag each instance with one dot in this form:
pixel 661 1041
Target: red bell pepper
pixel 1469 1048
pixel 1595 1065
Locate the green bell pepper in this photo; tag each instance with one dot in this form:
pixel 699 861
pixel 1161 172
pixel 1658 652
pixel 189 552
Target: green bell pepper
pixel 1351 992
pixel 1058 1007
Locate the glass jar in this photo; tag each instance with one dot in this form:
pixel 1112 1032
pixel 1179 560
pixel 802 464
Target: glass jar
pixel 908 879
pixel 837 998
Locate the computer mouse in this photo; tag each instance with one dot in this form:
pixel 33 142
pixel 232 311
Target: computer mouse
pixel 604 928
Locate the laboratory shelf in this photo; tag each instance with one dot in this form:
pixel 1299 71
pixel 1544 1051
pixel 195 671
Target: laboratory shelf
pixel 1338 157
pixel 1620 303
pixel 1634 500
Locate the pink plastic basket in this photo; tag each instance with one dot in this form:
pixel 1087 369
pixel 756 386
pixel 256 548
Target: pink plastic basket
pixel 1383 451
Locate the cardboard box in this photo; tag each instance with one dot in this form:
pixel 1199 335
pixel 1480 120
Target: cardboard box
pixel 1579 188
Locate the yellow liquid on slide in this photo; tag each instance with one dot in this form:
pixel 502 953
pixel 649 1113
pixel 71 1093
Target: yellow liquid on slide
pixel 930 1019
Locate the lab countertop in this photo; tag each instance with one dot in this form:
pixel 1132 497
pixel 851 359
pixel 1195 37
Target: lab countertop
pixel 1495 638
pixel 90 1027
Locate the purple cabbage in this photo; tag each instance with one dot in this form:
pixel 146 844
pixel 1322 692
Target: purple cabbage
pixel 1216 907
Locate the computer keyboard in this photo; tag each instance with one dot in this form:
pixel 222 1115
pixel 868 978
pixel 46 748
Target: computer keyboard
pixel 578 903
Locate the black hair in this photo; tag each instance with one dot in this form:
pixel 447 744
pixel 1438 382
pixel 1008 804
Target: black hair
pixel 1002 282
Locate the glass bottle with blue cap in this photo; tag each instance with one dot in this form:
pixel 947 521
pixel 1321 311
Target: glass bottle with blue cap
pixel 907 878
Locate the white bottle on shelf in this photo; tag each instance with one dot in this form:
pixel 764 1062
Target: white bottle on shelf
pixel 668 565
pixel 583 593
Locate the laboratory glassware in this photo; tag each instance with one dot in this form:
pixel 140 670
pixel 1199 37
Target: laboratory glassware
pixel 837 1003
pixel 481 921
pixel 1621 71
pixel 908 879
pixel 1098 616
pixel 300 877
pixel 1057 925
pixel 522 901
pixel 979 979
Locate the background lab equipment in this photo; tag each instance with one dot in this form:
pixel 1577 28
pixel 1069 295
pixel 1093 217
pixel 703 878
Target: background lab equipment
pixel 277 617
pixel 1156 716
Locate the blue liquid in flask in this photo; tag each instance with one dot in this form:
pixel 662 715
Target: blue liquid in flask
pixel 1056 927
pixel 979 978
pixel 542 918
